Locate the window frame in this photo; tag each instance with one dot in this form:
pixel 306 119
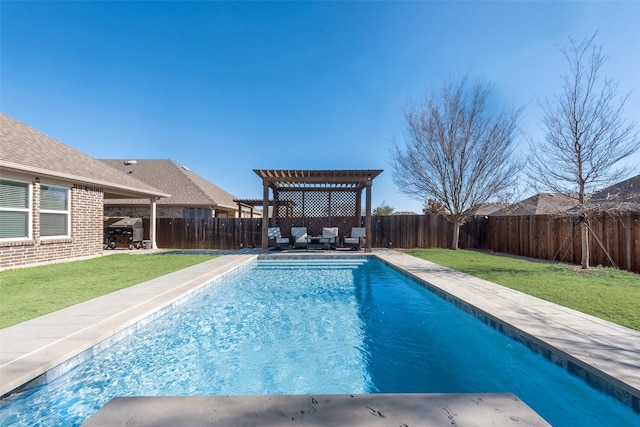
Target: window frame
pixel 66 212
pixel 28 210
pixel 199 212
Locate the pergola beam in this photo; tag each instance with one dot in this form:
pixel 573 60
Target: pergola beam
pixel 319 189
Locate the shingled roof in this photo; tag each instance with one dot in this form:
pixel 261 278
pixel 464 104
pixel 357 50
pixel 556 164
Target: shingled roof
pixel 541 204
pixel 624 195
pixel 24 149
pixel 185 187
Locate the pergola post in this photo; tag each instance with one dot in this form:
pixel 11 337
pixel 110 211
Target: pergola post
pixel 367 221
pixel 265 215
pixel 275 207
pixel 358 218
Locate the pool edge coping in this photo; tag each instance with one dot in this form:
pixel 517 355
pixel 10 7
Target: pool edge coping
pixel 370 410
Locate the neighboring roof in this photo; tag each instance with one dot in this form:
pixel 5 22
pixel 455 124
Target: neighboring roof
pixel 540 204
pixel 488 208
pixel 404 213
pixel 317 179
pixel 258 202
pixel 186 188
pixel 26 150
pixel 624 195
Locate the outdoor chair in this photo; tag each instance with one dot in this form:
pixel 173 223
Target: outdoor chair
pixel 332 234
pixel 357 238
pixel 275 238
pixel 299 237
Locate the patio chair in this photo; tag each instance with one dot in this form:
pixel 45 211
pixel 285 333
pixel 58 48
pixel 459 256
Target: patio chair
pixel 356 241
pixel 275 238
pixel 332 234
pixel 299 237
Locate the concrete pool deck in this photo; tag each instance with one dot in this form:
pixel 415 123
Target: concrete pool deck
pixel 605 354
pixel 370 410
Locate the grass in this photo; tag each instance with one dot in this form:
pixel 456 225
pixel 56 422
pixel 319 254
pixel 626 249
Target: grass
pixel 31 292
pixel 607 293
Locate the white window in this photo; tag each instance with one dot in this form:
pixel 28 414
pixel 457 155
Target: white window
pixel 197 213
pixel 55 217
pixel 15 210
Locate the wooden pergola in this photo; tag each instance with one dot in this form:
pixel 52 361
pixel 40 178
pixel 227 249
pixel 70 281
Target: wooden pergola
pixel 316 199
pixel 251 204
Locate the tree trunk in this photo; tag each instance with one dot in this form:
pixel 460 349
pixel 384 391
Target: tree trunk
pixel 456 235
pixel 584 232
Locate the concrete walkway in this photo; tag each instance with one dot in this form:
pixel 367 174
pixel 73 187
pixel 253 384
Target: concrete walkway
pixel 606 354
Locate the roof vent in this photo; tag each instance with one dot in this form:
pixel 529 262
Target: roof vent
pixel 130 162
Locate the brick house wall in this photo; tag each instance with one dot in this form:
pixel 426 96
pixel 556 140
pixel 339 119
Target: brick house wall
pixel 86 232
pixel 87 220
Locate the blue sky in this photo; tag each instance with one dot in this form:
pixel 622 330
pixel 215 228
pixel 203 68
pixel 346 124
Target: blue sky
pixel 228 87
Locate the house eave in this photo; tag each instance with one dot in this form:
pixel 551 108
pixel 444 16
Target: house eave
pixel 167 203
pixel 112 190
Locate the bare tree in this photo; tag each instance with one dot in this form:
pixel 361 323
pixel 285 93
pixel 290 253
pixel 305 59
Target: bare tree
pixel 586 135
pixel 457 152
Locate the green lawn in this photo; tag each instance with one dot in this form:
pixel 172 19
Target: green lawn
pixel 606 293
pixel 31 292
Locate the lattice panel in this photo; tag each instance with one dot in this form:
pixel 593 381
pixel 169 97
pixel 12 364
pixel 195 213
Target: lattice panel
pixel 317 209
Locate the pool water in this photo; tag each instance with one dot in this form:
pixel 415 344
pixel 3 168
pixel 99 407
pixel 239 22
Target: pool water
pixel 315 327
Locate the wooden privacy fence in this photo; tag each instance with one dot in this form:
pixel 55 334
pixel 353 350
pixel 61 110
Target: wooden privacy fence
pixel 406 231
pixel 536 236
pixel 424 231
pixel 615 238
pixel 206 233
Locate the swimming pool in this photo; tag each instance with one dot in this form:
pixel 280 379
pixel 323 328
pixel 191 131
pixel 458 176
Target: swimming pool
pixel 316 327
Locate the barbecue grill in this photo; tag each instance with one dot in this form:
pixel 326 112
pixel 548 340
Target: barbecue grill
pixel 127 231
